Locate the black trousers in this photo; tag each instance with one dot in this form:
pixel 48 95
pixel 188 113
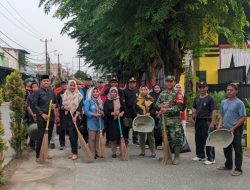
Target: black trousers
pixel 61 135
pixel 201 134
pixel 41 129
pixel 236 144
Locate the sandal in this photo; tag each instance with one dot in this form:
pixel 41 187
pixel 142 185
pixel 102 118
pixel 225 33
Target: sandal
pixel 74 157
pixel 236 173
pixel 222 168
pixel 142 154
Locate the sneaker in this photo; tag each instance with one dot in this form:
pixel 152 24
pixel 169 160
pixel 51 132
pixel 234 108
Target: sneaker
pixel 207 162
pixel 198 159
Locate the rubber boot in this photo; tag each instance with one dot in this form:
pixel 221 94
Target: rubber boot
pixel 177 151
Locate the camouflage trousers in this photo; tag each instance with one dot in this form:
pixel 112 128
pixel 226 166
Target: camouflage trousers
pixel 175 135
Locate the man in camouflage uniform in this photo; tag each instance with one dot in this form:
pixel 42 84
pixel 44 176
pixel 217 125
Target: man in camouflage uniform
pixel 171 110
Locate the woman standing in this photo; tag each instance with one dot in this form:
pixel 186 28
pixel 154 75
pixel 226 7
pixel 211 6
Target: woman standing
pixel 155 92
pixel 113 108
pixel 145 106
pixel 93 108
pixel 157 130
pixel 72 106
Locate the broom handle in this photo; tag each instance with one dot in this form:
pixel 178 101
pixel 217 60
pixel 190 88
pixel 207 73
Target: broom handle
pixel 120 127
pixel 100 124
pixel 50 106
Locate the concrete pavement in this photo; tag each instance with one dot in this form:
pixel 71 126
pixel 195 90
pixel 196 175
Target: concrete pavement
pixel 137 174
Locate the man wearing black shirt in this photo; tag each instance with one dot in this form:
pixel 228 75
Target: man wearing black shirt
pixel 204 114
pixel 41 103
pixel 59 115
pixel 130 96
pixel 114 83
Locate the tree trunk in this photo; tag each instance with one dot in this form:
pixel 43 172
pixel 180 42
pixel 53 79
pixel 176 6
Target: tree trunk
pixel 152 72
pixel 170 54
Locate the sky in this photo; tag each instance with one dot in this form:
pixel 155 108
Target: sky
pixel 23 22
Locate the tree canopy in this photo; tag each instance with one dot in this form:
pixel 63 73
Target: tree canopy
pixel 131 37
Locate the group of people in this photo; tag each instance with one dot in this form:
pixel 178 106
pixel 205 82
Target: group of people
pixel 95 109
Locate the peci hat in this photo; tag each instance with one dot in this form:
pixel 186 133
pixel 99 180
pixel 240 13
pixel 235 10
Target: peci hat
pixel 44 77
pixel 114 79
pixel 170 78
pixel 132 79
pixel 202 84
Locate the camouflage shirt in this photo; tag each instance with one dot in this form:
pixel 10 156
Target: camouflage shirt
pixel 172 116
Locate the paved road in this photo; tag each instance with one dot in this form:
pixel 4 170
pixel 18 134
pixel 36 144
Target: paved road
pixel 138 174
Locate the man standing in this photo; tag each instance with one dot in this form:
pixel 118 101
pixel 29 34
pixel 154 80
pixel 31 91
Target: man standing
pixel 204 114
pixel 130 97
pixel 233 116
pixel 41 103
pixel 170 108
pixel 31 110
pixel 114 83
pixel 88 85
pixel 59 114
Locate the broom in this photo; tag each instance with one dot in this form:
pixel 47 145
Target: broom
pixel 45 144
pixel 87 155
pixel 123 148
pixel 101 143
pixel 167 156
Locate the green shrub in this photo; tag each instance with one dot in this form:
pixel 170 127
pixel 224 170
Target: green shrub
pixel 247 104
pixel 16 92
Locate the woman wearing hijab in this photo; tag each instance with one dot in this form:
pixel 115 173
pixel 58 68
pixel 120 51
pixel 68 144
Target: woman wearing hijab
pixel 145 106
pixel 72 106
pixel 113 108
pixel 93 108
pixel 178 87
pixel 155 92
pixel 157 130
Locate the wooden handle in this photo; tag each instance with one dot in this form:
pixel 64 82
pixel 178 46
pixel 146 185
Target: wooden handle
pixel 50 107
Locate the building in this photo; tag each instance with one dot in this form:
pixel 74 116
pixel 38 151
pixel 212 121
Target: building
pixel 41 69
pixel 13 58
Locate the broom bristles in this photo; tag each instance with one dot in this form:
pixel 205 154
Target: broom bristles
pixel 101 146
pixel 44 149
pixel 87 154
pixel 167 156
pixel 124 150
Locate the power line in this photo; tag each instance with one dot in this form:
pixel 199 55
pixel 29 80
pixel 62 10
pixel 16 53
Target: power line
pixel 18 43
pixel 27 24
pixel 17 19
pixel 18 26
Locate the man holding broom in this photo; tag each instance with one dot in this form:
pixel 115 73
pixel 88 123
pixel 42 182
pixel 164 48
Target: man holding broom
pixel 170 107
pixel 41 101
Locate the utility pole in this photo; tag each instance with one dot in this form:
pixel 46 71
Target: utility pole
pixel 58 66
pixel 46 55
pixel 79 63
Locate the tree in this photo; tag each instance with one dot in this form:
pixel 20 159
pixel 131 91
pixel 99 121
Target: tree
pixel 80 75
pixel 2 143
pixel 148 35
pixel 16 92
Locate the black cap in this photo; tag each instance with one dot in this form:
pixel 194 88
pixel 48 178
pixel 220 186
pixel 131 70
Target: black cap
pixel 114 79
pixel 132 79
pixel 88 77
pixel 44 77
pixel 202 84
